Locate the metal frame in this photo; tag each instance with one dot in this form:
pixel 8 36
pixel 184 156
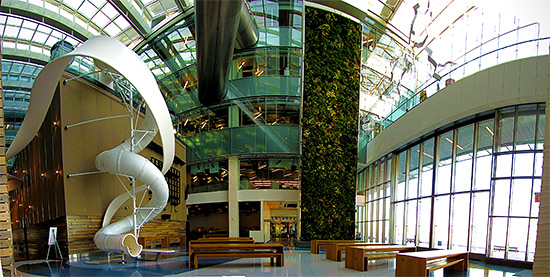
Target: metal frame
pixel 472 188
pixel 127 96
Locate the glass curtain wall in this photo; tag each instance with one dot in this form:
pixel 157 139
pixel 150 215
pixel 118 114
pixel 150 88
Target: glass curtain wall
pixel 376 183
pixel 516 177
pixel 471 188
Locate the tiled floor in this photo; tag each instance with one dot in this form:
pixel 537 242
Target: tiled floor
pixel 298 262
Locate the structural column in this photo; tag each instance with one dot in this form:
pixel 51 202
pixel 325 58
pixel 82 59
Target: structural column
pixel 232 191
pixel 541 266
pixel 262 216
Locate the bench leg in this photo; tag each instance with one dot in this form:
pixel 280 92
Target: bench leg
pixel 282 260
pixel 165 242
pixel 462 266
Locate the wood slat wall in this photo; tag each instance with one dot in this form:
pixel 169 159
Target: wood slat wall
pixel 6 237
pixel 37 240
pixel 541 266
pixel 82 228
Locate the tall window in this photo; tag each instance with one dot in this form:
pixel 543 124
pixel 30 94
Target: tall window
pixel 425 193
pixel 481 185
pixel 515 180
pixel 470 188
pixel 442 189
pixel 398 197
pixel 461 187
pixel 377 201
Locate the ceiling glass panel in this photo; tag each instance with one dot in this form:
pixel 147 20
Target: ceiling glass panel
pixel 73 4
pixel 29 35
pixel 110 11
pixel 94 16
pixel 87 9
pixel 101 19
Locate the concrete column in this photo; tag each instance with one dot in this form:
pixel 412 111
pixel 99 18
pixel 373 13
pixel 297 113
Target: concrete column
pixel 232 191
pixel 262 216
pixel 266 214
pixel 541 266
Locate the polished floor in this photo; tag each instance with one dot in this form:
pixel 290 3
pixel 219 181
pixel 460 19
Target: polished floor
pixel 298 262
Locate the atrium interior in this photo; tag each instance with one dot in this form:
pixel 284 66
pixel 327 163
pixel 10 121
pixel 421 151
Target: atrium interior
pixel 418 123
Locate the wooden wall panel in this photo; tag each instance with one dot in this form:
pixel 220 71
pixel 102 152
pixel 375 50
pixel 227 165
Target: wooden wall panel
pixel 47 197
pixel 6 236
pixel 82 228
pixel 40 198
pixel 36 246
pixel 89 195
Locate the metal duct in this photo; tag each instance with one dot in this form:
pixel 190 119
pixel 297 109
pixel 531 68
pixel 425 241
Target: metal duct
pixel 217 29
pixel 247 34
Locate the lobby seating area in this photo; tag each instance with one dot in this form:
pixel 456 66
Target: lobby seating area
pixel 298 262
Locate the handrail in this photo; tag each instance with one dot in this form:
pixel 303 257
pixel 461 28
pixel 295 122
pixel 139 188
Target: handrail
pixel 384 123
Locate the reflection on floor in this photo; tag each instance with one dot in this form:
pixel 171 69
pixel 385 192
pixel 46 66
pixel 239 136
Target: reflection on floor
pixel 298 262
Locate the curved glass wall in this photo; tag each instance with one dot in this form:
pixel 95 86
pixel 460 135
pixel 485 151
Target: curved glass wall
pixel 415 61
pixel 244 140
pixel 471 188
pixel 255 173
pixel 374 184
pixel 272 173
pixel 272 67
pixel 260 113
pixel 279 22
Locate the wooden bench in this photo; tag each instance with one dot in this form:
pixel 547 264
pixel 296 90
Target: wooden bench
pixel 358 257
pixel 158 252
pixel 224 239
pixel 236 254
pixel 148 241
pixel 336 249
pixel 235 250
pixel 316 245
pixel 424 262
pixel 168 240
pixel 165 240
pixel 215 235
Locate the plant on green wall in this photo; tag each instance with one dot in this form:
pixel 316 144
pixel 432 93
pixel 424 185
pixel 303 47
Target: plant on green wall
pixel 332 63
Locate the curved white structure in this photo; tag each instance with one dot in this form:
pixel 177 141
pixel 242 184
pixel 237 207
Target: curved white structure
pixel 120 160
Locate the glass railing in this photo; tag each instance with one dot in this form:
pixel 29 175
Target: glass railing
pixel 261 86
pixel 483 60
pixel 208 187
pixel 243 140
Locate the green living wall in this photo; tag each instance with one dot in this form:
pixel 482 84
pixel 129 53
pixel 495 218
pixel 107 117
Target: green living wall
pixel 332 63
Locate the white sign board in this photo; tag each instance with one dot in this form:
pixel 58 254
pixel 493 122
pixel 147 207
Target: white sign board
pixel 52 238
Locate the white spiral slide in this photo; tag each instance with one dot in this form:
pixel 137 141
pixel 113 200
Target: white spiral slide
pixel 119 160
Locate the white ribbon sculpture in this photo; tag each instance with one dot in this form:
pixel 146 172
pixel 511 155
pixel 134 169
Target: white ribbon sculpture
pixel 123 159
